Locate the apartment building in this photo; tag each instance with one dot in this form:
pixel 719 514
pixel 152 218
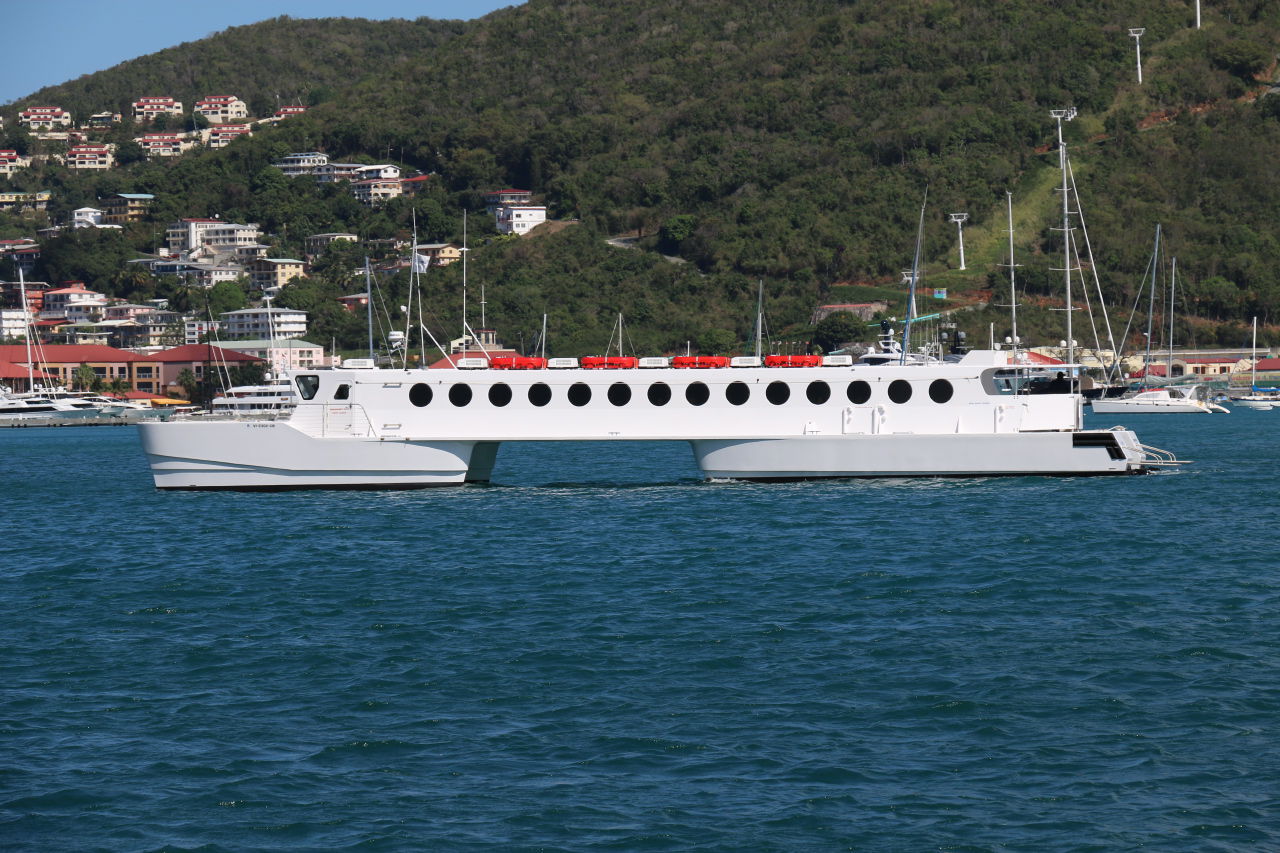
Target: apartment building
pixel 146 109
pixel 222 136
pixel 123 208
pixel 90 157
pixel 271 274
pixel 316 244
pixel 44 118
pixel 220 109
pixel 277 323
pixel 376 191
pixel 162 144
pixel 520 219
pixel 222 238
pixel 302 163
pixel 11 161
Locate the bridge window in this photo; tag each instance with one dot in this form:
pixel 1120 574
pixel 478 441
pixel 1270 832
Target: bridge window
pixel 307 385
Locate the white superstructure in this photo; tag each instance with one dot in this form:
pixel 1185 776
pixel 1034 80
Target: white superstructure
pixel 396 428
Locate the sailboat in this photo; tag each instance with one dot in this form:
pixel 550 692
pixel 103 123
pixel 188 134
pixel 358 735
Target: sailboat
pixel 1256 399
pixel 1171 399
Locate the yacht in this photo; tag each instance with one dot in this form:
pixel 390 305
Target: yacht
pixel 274 397
pixel 1174 399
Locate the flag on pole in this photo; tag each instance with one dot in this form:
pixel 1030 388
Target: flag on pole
pixel 420 262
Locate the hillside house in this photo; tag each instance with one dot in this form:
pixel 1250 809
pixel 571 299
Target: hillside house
pixel 123 208
pixel 252 323
pixel 162 144
pixel 302 163
pixel 25 201
pixel 291 110
pixel 11 161
pixel 317 244
pixel 376 191
pixel 439 254
pixel 222 239
pixel 90 157
pixel 146 109
pixel 498 198
pixel 102 120
pixel 86 217
pixel 271 274
pixel 222 136
pixel 520 219
pixel 220 109
pixel 73 303
pixel 44 118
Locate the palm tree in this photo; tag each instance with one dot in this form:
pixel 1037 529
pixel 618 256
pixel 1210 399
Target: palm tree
pixel 84 377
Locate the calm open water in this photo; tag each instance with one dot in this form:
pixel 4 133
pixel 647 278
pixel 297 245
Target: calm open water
pixel 603 653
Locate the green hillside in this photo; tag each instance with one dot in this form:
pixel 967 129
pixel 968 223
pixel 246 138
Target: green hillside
pixel 789 142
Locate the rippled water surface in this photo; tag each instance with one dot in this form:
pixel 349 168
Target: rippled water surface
pixel 602 652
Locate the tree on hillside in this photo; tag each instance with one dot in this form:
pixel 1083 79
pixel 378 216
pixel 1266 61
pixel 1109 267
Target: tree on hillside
pixel 836 329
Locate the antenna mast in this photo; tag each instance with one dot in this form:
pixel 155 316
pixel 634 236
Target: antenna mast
pixel 915 277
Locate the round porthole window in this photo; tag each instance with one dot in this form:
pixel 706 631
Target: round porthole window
pixel 539 393
pixel 777 393
pixel 818 392
pixel 579 393
pixel 859 392
pixel 420 395
pixel 659 393
pixel 899 390
pixel 460 394
pixel 500 394
pixel 940 391
pixel 737 393
pixel 619 393
pixel 697 393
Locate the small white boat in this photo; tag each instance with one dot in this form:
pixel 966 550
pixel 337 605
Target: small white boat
pixel 273 398
pixel 1177 399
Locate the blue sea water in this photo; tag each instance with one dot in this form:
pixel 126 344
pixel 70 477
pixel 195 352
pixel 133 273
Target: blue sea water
pixel 601 652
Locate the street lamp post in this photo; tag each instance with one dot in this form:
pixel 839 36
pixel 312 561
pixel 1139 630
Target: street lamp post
pixel 1136 35
pixel 958 219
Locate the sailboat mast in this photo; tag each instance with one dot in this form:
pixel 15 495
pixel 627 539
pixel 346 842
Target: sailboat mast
pixel 1013 284
pixel 464 282
pixel 368 302
pixel 1173 284
pixel 1151 307
pixel 1060 115
pixel 759 316
pixel 543 354
pixel 1253 370
pixel 915 275
pixel 26 327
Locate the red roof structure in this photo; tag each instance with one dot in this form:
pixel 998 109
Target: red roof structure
pixel 193 353
pixel 69 353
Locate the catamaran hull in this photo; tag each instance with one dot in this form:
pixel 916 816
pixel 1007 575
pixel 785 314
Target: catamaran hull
pixel 815 457
pixel 273 456
pixel 268 456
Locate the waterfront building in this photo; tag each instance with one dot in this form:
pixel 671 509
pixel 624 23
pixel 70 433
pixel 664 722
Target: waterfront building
pixel 281 354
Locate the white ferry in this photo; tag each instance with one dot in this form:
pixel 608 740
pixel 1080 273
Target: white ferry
pixel 777 418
